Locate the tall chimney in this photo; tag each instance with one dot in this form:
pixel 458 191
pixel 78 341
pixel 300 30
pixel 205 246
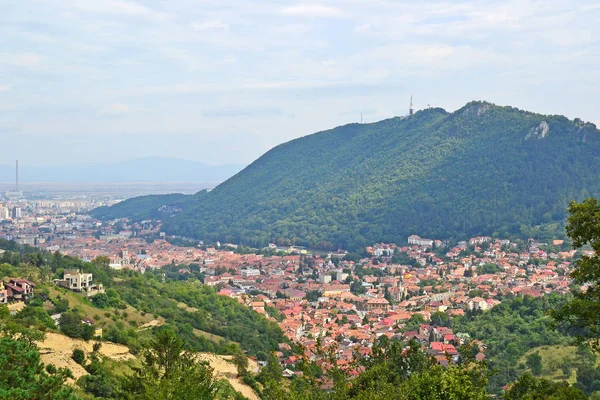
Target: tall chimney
pixel 17 168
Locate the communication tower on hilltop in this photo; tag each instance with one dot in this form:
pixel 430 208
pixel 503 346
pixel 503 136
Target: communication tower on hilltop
pixel 15 194
pixel 411 111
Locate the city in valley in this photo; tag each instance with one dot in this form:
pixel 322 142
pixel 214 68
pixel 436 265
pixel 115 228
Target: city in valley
pixel 300 200
pixel 335 300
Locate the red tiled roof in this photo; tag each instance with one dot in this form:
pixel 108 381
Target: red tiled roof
pixel 15 288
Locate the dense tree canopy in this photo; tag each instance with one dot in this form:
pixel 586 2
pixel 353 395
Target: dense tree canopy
pixel 510 330
pixel 203 310
pixel 394 372
pixel 483 169
pixel 170 372
pixel 22 375
pixel 582 313
pixel 528 387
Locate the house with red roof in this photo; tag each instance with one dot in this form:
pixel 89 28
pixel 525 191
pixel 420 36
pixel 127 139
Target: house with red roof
pixel 19 289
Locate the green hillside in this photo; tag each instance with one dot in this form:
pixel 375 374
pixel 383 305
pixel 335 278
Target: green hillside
pixel 480 170
pixel 143 207
pixel 136 302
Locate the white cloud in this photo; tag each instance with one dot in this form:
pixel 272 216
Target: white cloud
pixel 120 7
pixel 290 29
pixel 229 59
pixel 116 109
pixel 150 65
pixel 20 59
pixel 591 7
pixel 210 26
pixel 312 10
pixel 363 28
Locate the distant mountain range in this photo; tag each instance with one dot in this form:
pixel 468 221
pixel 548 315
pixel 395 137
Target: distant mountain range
pixel 481 170
pixel 150 169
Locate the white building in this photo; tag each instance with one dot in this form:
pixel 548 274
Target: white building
pixel 381 251
pixel 419 241
pixel 248 272
pixel 341 276
pixel 77 281
pixel 3 213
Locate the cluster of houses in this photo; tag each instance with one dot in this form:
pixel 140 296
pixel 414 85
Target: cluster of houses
pixel 19 289
pixel 333 300
pixel 349 304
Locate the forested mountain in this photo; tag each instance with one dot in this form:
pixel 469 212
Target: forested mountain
pixel 479 170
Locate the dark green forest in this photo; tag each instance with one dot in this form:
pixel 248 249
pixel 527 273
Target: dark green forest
pixel 145 207
pixel 483 169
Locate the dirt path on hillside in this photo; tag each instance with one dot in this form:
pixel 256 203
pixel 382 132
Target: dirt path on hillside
pixel 150 324
pixel 57 349
pixel 225 369
pixel 187 308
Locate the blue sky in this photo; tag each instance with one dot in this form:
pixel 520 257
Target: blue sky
pixel 224 81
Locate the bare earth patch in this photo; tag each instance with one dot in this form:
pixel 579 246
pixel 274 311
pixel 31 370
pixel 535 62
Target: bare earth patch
pixel 16 307
pixel 57 349
pixel 225 369
pixel 151 324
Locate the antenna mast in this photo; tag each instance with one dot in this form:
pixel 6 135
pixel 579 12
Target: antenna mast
pixel 411 111
pixel 17 175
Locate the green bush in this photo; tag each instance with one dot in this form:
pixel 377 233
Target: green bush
pixel 78 356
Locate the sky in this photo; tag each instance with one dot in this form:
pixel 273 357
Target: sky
pixel 224 81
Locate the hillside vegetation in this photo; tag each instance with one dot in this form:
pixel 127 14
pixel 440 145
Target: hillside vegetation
pixel 480 170
pixel 144 207
pixel 141 316
pixel 160 359
pixel 510 330
pixel 134 303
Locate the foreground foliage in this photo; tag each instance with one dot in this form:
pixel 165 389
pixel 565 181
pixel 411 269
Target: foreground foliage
pixel 510 330
pixel 23 376
pixel 393 372
pixel 527 387
pixel 171 372
pixel 582 314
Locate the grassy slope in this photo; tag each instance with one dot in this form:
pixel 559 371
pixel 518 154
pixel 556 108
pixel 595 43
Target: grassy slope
pixel 552 359
pixel 102 321
pixel 198 332
pixel 97 314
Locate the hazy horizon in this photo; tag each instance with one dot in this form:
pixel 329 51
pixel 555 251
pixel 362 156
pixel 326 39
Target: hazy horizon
pixel 222 83
pixel 146 169
pixel 66 163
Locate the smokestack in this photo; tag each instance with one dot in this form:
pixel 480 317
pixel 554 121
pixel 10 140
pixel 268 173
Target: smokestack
pixel 17 168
